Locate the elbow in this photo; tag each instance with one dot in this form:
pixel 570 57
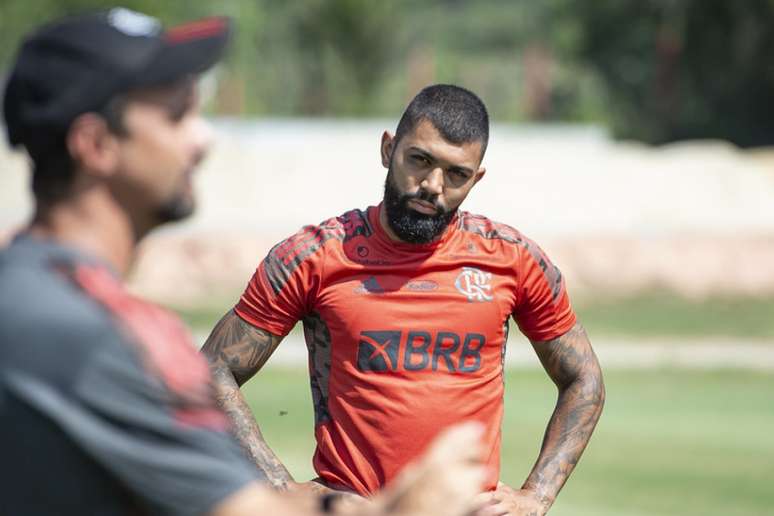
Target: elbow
pixel 219 370
pixel 209 356
pixel 589 386
pixel 595 389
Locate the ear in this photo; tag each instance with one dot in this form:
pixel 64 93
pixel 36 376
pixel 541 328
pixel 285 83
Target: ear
pixel 479 175
pixel 388 141
pixel 91 144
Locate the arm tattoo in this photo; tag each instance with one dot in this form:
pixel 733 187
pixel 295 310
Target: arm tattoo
pixel 236 351
pixel 572 365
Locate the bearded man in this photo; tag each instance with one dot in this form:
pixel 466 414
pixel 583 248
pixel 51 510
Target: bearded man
pixel 405 307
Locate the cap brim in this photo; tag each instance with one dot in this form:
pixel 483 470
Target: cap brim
pixel 188 49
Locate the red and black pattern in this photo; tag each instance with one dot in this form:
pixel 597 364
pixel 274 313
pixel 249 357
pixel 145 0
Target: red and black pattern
pixel 489 229
pixel 285 257
pixel 355 223
pixel 165 347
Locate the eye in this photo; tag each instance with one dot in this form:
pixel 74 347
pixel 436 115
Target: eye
pixel 176 113
pixel 459 173
pixel 420 159
pixel 179 106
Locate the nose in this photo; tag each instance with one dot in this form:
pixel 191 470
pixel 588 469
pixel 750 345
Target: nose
pixel 202 137
pixel 433 181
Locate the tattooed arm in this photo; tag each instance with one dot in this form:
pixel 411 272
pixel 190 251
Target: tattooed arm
pixel 236 351
pixel 573 367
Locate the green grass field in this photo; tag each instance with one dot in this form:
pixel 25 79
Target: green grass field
pixel 669 443
pixel 658 314
pixel 650 314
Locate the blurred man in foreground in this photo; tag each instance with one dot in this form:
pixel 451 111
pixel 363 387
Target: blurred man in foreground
pixel 106 406
pixel 405 308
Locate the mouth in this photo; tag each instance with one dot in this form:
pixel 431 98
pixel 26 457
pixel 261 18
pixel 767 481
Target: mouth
pixel 424 207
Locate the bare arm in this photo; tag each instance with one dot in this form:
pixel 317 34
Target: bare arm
pixel 442 482
pixel 572 365
pixel 236 351
pixel 256 498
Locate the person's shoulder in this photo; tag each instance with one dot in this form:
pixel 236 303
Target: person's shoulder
pixel 351 223
pixel 480 226
pixel 503 235
pixel 48 324
pixel 312 238
pixel 42 292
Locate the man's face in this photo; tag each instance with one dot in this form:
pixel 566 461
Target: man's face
pixel 428 178
pixel 165 139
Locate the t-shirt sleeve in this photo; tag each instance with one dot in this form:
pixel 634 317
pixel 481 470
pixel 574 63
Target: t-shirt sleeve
pixel 283 288
pixel 173 458
pixel 543 310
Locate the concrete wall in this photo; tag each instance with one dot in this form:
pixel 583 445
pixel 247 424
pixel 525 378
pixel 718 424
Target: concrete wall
pixel 697 218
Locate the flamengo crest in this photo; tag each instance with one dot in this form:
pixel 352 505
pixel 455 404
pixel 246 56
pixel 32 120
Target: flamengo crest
pixel 475 284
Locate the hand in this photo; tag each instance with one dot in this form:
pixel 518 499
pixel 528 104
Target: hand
pixel 507 501
pixel 345 503
pixel 443 482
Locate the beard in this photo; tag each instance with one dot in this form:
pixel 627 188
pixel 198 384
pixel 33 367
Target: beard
pixel 411 226
pixel 175 209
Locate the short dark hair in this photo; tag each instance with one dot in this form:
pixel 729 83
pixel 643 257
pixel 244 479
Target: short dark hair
pixel 53 170
pixel 458 114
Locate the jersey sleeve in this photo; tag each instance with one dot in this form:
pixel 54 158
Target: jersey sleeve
pixel 543 310
pixel 136 429
pixel 284 287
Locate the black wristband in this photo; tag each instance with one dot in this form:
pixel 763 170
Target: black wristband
pixel 327 501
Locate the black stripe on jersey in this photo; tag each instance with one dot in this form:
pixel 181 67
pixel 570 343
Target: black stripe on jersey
pixel 285 257
pixel 318 342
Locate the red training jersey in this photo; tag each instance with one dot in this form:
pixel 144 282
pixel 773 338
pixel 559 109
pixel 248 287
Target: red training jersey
pixel 404 339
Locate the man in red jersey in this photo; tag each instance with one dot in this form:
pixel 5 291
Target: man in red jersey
pixel 405 308
pixel 107 407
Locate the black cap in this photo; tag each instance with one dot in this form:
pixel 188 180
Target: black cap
pixel 75 65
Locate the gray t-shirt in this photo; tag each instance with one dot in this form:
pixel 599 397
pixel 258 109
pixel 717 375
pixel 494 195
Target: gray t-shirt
pixel 105 406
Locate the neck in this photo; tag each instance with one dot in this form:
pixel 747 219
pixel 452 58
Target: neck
pixel 92 222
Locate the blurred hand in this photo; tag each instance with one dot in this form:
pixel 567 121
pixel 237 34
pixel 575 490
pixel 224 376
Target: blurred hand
pixel 506 501
pixel 444 481
pixel 345 503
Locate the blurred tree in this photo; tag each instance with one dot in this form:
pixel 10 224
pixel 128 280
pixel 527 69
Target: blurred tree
pixel 654 70
pixel 678 69
pixel 358 36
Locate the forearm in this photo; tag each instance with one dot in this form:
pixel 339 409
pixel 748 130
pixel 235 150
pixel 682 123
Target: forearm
pixel 236 351
pixel 246 429
pixel 576 414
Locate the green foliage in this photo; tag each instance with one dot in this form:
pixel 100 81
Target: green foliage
pixel 18 17
pixel 680 69
pixel 656 70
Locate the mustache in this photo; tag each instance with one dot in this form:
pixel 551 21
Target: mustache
pixel 424 195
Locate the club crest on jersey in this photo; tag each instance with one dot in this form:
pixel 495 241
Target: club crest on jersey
pixel 475 284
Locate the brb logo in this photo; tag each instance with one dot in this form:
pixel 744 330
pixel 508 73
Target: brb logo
pixel 475 284
pixel 383 351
